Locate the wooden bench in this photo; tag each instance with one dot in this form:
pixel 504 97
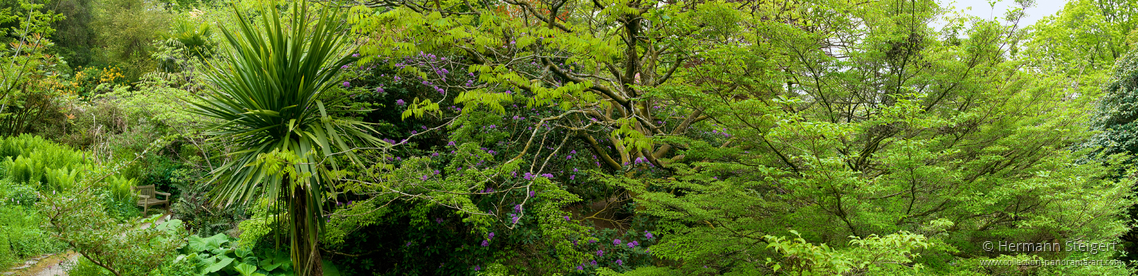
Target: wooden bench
pixel 149 197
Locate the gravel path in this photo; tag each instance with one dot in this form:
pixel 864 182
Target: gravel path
pixel 59 268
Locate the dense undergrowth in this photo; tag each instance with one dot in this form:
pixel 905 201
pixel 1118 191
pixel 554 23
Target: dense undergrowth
pixel 624 137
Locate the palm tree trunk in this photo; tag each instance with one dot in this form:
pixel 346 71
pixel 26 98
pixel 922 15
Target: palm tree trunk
pixel 305 238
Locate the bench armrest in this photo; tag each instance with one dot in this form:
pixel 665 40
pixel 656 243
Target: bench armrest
pixel 144 196
pixel 161 193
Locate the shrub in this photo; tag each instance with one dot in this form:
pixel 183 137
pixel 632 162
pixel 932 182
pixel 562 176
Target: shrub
pixel 86 268
pixel 6 256
pixel 79 220
pixel 18 194
pixel 20 235
pixel 193 207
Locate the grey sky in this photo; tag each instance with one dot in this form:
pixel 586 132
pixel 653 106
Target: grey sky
pixel 982 9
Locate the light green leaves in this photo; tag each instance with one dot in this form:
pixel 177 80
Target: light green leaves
pixel 247 270
pixel 869 254
pixel 211 244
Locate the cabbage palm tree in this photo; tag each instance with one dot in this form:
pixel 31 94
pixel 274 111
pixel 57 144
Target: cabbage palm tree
pixel 265 87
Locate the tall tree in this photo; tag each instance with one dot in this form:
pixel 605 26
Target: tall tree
pixel 855 124
pixel 1084 47
pixel 124 30
pixel 266 84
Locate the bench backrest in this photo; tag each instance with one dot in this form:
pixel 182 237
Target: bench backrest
pixel 147 190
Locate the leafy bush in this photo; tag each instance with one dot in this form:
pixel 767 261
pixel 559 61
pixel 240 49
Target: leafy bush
pixel 171 228
pixel 21 236
pixel 221 255
pixel 261 223
pixel 193 206
pixel 6 255
pixel 85 267
pixel 79 219
pixel 18 194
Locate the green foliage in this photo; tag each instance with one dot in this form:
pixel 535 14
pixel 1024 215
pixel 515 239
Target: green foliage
pixel 120 199
pixel 41 164
pixel 857 124
pixel 1082 41
pixel 124 30
pixel 21 236
pixel 647 270
pixel 18 194
pixel 221 255
pixel 78 219
pixel 32 164
pixel 161 99
pixel 265 88
pixel 874 255
pixel 1115 122
pixel 74 35
pixel 194 36
pixel 85 267
pixel 196 210
pixel 30 79
pixel 1116 113
pixel 527 137
pixel 260 224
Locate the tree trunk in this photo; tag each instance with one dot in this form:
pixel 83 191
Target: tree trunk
pixel 305 235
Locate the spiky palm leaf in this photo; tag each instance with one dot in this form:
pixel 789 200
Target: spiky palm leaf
pixel 266 84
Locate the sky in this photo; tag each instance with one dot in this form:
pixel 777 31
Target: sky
pixel 982 9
